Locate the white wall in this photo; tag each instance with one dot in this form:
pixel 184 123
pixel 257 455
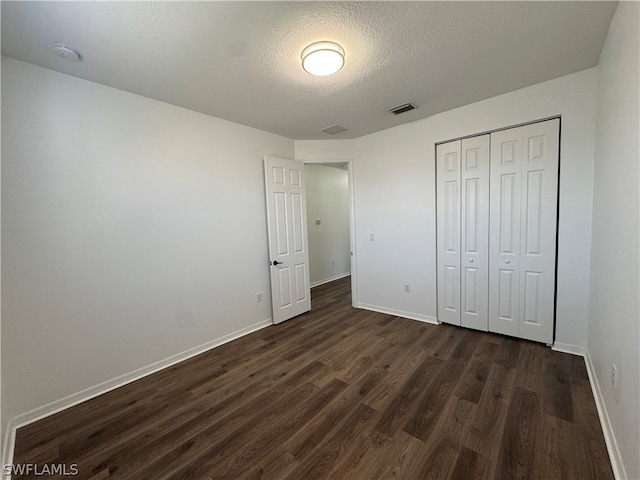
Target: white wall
pixel 394 189
pixel 332 149
pixel 614 317
pixel 328 201
pixel 395 198
pixel 132 230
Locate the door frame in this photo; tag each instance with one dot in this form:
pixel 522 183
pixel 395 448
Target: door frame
pixel 352 219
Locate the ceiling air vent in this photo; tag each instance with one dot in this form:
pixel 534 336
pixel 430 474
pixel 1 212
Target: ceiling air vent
pixel 402 108
pixel 334 129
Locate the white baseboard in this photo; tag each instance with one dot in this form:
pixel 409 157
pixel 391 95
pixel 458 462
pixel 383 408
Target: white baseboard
pixel 330 279
pixel 619 472
pixel 104 387
pixel 399 313
pixel 568 348
pixel 9 444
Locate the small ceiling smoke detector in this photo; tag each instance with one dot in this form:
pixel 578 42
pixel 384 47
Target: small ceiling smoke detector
pixel 403 108
pixel 334 129
pixel 322 58
pixel 65 51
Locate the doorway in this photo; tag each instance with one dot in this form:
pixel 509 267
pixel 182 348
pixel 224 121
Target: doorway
pixel 330 222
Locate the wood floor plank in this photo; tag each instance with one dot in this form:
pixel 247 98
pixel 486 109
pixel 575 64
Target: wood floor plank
pixel 519 436
pixel 226 438
pixel 486 427
pixel 508 352
pixel 272 430
pixel 592 448
pixel 340 393
pixel 400 364
pixel 557 396
pixel 466 344
pixel 169 465
pixel 305 440
pixel 278 464
pixel 440 461
pixel 410 463
pixel 555 442
pixel 323 458
pixel 433 400
pixel 469 465
pixel 402 404
pixel 475 377
pixel 531 367
pixel 231 412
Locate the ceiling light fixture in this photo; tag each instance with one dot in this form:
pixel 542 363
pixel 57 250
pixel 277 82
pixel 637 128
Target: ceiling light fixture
pixel 322 58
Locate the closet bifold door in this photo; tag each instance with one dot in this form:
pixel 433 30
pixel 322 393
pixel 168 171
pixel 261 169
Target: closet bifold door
pixel 448 231
pixel 523 215
pixel 474 233
pixel 463 231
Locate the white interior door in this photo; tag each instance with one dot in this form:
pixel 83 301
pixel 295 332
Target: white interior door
pixel 474 233
pixel 448 231
pixel 288 244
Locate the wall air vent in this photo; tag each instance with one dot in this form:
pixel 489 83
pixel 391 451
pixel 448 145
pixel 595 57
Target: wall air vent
pixel 403 108
pixel 334 129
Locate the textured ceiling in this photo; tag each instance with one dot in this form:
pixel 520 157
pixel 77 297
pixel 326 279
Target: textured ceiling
pixel 241 60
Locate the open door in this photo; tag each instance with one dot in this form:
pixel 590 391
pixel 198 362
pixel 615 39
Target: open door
pixel 287 228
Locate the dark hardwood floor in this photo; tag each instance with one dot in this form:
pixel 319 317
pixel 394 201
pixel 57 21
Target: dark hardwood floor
pixel 340 393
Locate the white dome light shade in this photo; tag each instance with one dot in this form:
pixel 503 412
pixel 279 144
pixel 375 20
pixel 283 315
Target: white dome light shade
pixel 322 58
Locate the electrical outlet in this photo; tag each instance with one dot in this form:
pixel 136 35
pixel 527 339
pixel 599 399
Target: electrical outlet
pixel 372 237
pixel 259 297
pixel 614 375
pixel 407 288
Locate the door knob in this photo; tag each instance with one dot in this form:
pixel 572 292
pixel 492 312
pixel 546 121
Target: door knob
pixel 471 260
pixel 275 262
pixel 507 261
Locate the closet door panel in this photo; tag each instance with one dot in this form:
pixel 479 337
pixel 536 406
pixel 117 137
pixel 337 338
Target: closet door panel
pixel 538 230
pixel 448 165
pixel 504 237
pixel 474 232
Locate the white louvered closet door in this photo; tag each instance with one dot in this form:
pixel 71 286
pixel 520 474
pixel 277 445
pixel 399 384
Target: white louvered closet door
pixel 523 217
pixel 463 223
